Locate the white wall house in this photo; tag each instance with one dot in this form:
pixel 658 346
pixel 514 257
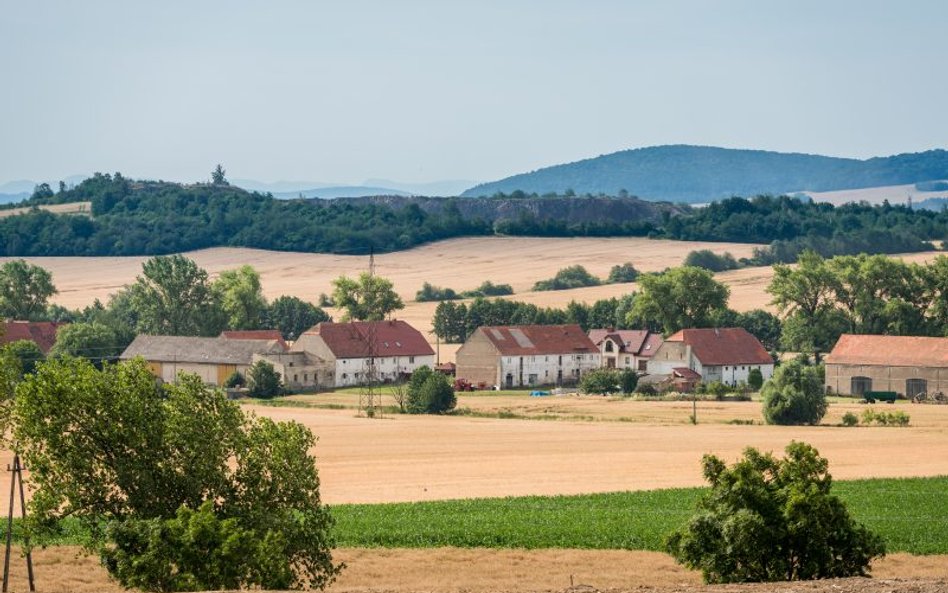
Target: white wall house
pixel 625 348
pixel 519 356
pixel 395 348
pixel 717 354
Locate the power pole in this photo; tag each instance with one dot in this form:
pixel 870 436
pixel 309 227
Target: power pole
pixel 16 478
pixel 370 396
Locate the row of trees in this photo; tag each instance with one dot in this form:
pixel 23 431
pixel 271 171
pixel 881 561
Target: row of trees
pixel 577 277
pixel 870 294
pixel 429 293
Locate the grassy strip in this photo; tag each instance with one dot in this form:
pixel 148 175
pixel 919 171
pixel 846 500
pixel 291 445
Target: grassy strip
pixel 911 514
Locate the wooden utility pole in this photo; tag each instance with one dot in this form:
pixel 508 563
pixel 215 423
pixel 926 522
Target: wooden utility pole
pixel 16 479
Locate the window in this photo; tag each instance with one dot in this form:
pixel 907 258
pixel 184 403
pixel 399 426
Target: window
pixel 411 360
pixel 305 377
pixel 296 378
pixel 344 376
pixel 628 359
pixel 609 347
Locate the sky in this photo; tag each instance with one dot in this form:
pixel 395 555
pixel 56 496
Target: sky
pixel 422 91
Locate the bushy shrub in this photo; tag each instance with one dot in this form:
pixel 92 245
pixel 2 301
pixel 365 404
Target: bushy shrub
pixel 488 288
pixel 646 390
pixel 768 519
pixel 264 381
pixel 755 379
pixel 711 261
pixel 601 382
pixel 570 277
pixel 429 392
pixel 429 293
pixel 896 418
pixel 850 419
pixel 235 380
pixel 794 395
pixel 622 273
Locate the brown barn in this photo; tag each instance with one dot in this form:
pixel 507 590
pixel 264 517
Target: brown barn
pixel 907 365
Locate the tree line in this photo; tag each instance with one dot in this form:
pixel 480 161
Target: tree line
pixel 153 218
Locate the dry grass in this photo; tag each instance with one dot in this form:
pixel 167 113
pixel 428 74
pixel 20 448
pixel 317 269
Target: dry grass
pixel 70 208
pixel 450 570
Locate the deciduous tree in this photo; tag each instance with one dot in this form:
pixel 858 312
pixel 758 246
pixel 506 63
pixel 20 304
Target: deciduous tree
pixel 680 298
pixel 173 297
pixel 369 298
pixel 241 297
pixel 24 290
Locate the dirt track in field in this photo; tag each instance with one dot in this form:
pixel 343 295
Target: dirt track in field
pixel 453 570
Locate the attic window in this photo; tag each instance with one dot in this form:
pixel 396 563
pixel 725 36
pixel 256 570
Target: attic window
pixel 648 346
pixel 386 344
pixel 398 344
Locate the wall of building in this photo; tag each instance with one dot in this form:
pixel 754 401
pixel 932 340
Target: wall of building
pixel 619 360
pixel 884 378
pixel 736 374
pixel 477 361
pixel 352 371
pixel 299 371
pixel 546 369
pixel 668 356
pixel 210 373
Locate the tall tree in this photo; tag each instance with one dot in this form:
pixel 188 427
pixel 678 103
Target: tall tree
pixel 24 290
pixel 241 297
pixel 680 298
pixel 218 175
pixel 93 340
pixel 173 297
pixel 370 298
pixel 292 316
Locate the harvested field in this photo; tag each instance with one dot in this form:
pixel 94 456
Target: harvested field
pixel 895 194
pixel 406 458
pixel 450 570
pixel 70 208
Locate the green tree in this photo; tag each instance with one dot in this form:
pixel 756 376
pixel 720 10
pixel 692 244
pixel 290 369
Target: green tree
pixel 429 293
pixel 93 340
pixel 768 519
pixel 680 298
pixel 370 298
pixel 804 296
pixel 794 395
pixel 601 382
pixel 570 277
pixel 115 452
pixel 236 379
pixel 27 353
pixel 263 380
pixel 429 392
pixel 450 322
pixel 622 273
pixel 241 297
pixel 755 379
pixel 293 316
pixel 173 297
pixel 218 175
pixel 711 261
pixel 24 290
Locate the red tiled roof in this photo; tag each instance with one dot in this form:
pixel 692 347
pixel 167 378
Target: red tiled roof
pixel 890 351
pixel 526 340
pixel 685 373
pixel 392 338
pixel 42 333
pixel 639 342
pixel 723 346
pixel 650 346
pixel 256 334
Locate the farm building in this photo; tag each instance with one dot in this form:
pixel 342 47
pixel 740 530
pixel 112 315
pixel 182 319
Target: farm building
pixel 396 348
pixel 905 364
pixel 215 359
pixel 625 348
pixel 516 356
pixel 716 354
pixel 41 333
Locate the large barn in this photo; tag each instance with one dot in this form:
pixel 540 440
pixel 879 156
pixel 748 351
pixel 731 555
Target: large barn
pixel 907 365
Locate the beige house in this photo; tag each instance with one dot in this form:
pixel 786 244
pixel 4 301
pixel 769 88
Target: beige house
pixel 625 348
pixel 726 354
pixel 214 360
pixel 907 365
pixel 517 356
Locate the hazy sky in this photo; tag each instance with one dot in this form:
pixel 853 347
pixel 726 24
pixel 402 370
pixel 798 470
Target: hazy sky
pixel 417 91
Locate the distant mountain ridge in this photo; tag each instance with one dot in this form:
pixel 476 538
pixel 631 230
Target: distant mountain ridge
pixel 695 174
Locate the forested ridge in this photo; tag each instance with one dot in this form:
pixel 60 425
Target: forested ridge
pixel 153 217
pixel 704 173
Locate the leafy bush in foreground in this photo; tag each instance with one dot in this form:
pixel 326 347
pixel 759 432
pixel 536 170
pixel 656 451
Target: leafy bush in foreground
pixel 768 519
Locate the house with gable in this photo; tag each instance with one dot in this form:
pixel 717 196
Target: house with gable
pixel 394 347
pixel 726 354
pixel 525 355
pixel 626 348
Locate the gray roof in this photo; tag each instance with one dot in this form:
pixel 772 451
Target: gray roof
pixel 202 350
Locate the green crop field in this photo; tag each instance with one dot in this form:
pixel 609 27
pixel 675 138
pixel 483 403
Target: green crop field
pixel 911 514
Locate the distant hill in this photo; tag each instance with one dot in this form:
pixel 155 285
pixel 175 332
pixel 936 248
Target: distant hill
pixel 697 174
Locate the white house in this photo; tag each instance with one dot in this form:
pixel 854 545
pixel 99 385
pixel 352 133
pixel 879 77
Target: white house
pixel 625 348
pixel 516 356
pixel 716 354
pixel 394 348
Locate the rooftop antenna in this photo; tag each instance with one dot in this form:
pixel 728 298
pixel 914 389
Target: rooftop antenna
pixel 370 396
